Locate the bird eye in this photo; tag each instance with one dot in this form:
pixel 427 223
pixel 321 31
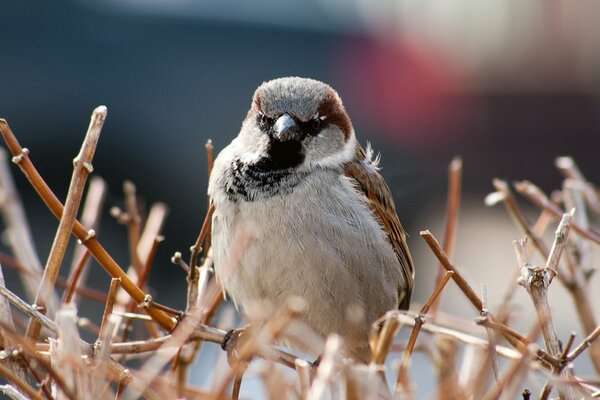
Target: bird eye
pixel 264 122
pixel 315 125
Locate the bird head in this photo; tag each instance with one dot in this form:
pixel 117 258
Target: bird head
pixel 298 123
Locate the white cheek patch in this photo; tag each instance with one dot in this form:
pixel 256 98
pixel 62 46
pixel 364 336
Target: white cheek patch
pixel 334 159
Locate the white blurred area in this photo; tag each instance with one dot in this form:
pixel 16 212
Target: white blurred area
pixel 512 45
pixel 484 252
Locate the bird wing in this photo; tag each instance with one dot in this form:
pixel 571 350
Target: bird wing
pixel 363 173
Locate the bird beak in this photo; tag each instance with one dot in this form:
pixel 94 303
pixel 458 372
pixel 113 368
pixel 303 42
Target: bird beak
pixel 286 128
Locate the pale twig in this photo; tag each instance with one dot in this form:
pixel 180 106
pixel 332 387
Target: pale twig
pixel 402 381
pixel 253 338
pixel 17 228
pixel 572 195
pixel 83 291
pixel 152 230
pixel 6 319
pixel 584 344
pixel 177 260
pixel 75 276
pixel 490 335
pixel 18 382
pixel 448 386
pixel 452 208
pixel 115 284
pixel 12 392
pixel 134 222
pixel 82 167
pixel 193 276
pixel 575 286
pixel 90 217
pixel 188 353
pixel 537 280
pixel 514 338
pixel 29 310
pixel 29 348
pixel 520 219
pixel 539 199
pixel 20 157
pixel 510 377
pixel 303 369
pixel 563 355
pixel 457 277
pixel 568 167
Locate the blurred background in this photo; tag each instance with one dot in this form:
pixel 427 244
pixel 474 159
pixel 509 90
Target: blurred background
pixel 508 86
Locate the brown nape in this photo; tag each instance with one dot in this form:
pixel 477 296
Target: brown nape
pixel 255 108
pixel 332 108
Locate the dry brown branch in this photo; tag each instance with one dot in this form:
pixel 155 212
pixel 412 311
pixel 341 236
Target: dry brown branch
pixel 537 280
pixel 82 167
pixel 587 342
pixel 568 167
pixel 6 319
pixel 193 276
pixel 403 382
pixel 20 157
pixel 90 217
pixel 456 276
pixel 18 382
pixel 134 222
pixel 115 283
pixel 520 219
pixel 575 285
pixel 452 208
pixel 448 386
pixel 177 260
pixel 28 309
pixel 83 291
pixel 539 199
pixel 75 276
pixel 17 228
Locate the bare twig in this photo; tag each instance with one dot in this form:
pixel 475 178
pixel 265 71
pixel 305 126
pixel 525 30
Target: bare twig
pixel 452 208
pixel 539 199
pixel 7 320
pixel 20 157
pixel 90 217
pixel 75 276
pixel 457 277
pixel 568 167
pixel 82 167
pixel 18 382
pixel 402 382
pixel 537 280
pixel 17 228
pixel 115 283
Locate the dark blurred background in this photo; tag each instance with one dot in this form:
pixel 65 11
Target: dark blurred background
pixel 506 85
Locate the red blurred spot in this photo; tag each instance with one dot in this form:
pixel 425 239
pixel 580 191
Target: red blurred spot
pixel 403 89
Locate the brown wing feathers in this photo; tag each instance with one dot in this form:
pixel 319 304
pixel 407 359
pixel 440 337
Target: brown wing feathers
pixel 372 185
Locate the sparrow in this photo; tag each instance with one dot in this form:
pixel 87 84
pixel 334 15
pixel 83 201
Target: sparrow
pixel 302 211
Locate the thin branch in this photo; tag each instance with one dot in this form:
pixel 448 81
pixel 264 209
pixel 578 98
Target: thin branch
pixel 75 276
pixel 570 170
pixel 587 342
pixel 29 310
pixel 20 157
pixel 17 228
pixel 82 167
pixel 452 208
pixel 90 217
pixel 402 381
pixel 539 199
pixel 22 385
pixel 457 277
pixel 115 284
